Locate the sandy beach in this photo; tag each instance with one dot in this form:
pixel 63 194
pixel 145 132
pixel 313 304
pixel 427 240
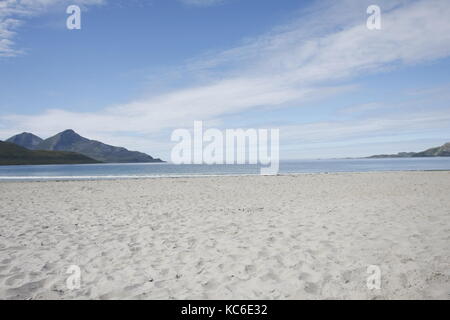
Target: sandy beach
pixel 309 236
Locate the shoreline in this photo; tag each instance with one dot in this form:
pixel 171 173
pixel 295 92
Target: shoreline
pixel 151 177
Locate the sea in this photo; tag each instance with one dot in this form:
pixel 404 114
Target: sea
pixel 156 170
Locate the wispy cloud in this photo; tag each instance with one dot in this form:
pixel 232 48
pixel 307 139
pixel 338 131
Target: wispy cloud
pixel 294 63
pixel 323 139
pixel 14 13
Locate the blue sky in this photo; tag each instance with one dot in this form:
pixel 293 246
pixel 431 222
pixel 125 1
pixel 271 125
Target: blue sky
pixel 139 69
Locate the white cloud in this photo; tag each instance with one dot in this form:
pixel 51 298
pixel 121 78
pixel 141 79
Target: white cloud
pixel 324 139
pixel 15 12
pixel 387 126
pixel 288 66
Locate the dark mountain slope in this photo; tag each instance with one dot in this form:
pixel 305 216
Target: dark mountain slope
pixel 12 154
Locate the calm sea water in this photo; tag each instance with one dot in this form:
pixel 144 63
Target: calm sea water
pixel 115 171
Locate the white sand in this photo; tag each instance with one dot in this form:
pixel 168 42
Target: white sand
pixel 289 237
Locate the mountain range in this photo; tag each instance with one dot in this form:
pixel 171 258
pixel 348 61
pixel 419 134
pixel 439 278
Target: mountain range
pixel 12 154
pixel 70 141
pixel 442 151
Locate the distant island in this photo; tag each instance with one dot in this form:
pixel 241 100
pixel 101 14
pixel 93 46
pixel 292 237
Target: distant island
pixel 66 147
pixel 442 151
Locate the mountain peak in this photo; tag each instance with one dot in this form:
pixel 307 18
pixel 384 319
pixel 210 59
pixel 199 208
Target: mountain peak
pixel 62 141
pixel 69 132
pixel 26 140
pixel 69 135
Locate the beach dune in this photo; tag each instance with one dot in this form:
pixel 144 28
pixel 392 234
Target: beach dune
pixel 306 236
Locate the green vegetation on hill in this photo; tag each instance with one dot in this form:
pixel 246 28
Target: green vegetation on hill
pixel 12 154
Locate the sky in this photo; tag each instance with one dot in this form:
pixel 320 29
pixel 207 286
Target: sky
pixel 139 69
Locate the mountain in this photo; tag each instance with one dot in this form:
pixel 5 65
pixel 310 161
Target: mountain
pixel 69 140
pixel 442 151
pixel 12 154
pixel 26 140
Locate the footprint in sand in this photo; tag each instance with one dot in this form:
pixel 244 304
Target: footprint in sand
pixel 191 243
pixel 270 276
pixel 26 290
pixel 311 288
pixel 250 269
pixel 11 281
pixel 304 276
